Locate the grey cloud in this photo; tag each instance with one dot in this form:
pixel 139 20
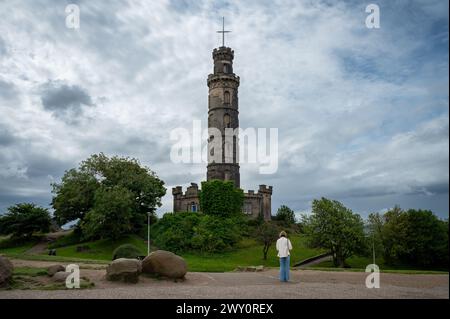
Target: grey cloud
pixel 6 138
pixel 7 90
pixel 3 48
pixel 64 100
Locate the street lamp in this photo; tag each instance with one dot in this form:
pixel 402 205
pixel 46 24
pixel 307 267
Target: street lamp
pixel 148 233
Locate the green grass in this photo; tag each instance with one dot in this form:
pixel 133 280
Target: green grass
pixel 249 253
pixel 8 246
pixel 100 249
pixel 30 271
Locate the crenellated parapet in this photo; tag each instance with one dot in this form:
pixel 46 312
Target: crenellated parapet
pixel 188 201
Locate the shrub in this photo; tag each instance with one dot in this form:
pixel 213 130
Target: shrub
pixel 179 232
pixel 216 234
pixel 127 251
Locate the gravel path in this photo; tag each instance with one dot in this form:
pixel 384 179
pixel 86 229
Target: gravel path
pixel 304 284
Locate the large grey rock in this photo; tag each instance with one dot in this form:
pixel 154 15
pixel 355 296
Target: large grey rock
pixel 60 276
pixel 164 263
pixel 6 271
pixel 54 269
pixel 124 269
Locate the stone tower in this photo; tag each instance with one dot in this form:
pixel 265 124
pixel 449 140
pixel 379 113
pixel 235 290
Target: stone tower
pixel 223 161
pixel 223 113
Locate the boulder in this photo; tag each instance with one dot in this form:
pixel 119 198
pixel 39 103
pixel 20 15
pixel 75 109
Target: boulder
pixel 164 263
pixel 60 276
pixel 54 269
pixel 6 271
pixel 124 269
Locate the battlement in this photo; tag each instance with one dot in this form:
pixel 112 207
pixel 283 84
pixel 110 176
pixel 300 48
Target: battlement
pixel 264 189
pixel 223 53
pixel 190 191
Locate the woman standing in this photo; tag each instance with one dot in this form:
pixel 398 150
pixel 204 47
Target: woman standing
pixel 283 247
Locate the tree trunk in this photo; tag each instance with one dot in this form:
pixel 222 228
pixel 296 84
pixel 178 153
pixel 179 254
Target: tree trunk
pixel 265 250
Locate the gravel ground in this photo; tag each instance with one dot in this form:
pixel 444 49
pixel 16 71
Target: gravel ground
pixel 304 284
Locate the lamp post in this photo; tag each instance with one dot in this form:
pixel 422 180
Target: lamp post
pixel 148 233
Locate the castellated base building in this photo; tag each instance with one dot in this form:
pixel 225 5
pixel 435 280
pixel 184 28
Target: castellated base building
pixel 222 114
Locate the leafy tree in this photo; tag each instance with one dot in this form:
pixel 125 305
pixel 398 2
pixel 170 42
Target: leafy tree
pixel 285 215
pixel 412 237
pixel 111 216
pixel 335 227
pixel 23 220
pixel 77 194
pixel 266 234
pixel 221 198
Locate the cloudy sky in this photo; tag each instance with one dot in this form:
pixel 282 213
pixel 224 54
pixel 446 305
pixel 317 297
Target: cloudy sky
pixel 362 114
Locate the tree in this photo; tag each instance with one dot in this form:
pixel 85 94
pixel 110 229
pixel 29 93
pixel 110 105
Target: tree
pixel 412 237
pixel 221 198
pixel 23 220
pixel 335 227
pixel 285 215
pixel 266 234
pixel 77 194
pixel 111 216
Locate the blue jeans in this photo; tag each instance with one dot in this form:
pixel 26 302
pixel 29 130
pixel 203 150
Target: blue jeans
pixel 284 268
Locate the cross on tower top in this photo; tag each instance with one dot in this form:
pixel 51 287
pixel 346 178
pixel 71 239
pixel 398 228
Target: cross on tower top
pixel 223 31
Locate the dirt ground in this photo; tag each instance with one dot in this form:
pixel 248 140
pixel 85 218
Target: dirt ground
pixel 303 284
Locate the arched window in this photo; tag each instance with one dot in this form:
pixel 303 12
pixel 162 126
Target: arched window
pixel 226 97
pixel 225 68
pixel 193 207
pixel 226 120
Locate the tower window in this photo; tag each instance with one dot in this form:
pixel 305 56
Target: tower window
pixel 226 121
pixel 226 97
pixel 225 68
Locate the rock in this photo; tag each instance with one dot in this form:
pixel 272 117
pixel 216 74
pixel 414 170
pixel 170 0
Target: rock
pixel 250 268
pixel 54 269
pixel 124 269
pixel 164 263
pixel 259 268
pixel 60 276
pixel 6 271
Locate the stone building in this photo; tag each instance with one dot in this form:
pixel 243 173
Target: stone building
pixel 223 163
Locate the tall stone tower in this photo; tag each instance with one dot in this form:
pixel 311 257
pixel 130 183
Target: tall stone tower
pixel 223 161
pixel 223 113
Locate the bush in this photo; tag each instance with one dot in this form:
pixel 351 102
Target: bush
pixel 179 232
pixel 174 231
pixel 127 251
pixel 216 234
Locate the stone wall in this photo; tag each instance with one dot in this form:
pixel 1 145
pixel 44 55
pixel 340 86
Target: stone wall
pixel 254 203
